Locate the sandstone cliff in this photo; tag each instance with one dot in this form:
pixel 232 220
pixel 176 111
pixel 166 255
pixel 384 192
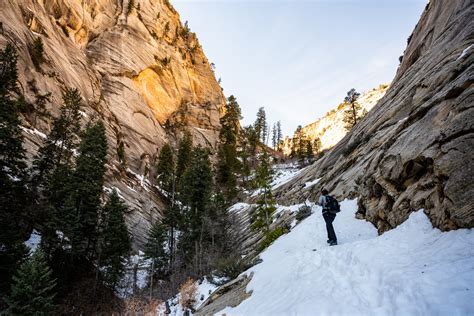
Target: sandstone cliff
pixel 415 148
pixel 330 128
pixel 136 66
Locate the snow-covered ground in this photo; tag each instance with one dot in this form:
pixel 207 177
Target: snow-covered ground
pixel 411 270
pixel 284 174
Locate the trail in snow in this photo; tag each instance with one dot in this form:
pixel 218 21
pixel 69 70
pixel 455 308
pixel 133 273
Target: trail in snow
pixel 411 270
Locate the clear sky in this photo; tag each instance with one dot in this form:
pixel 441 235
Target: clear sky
pixel 298 58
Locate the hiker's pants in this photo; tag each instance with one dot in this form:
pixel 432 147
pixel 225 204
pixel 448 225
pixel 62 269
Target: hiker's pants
pixel 329 218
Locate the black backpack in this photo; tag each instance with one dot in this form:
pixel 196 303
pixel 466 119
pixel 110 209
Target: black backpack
pixel 332 205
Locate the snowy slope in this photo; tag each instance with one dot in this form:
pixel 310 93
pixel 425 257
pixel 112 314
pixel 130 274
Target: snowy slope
pixel 411 270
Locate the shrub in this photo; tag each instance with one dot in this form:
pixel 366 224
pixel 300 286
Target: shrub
pixel 273 235
pixel 303 212
pixel 231 267
pixel 188 292
pixel 131 6
pixel 36 50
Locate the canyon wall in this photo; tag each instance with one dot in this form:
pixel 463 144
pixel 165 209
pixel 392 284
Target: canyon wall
pixel 414 149
pixel 137 67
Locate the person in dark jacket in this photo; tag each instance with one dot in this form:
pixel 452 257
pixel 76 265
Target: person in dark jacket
pixel 328 218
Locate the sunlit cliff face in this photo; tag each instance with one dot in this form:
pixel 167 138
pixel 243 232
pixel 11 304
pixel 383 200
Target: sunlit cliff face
pixel 330 128
pixel 136 66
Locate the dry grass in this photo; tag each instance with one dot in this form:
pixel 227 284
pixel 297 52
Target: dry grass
pixel 188 292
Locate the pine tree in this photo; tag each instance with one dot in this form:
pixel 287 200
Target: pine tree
pixel 172 218
pixel 13 190
pixel 156 248
pixel 309 152
pixel 228 164
pixel 197 191
pixel 114 239
pixel 84 202
pixel 317 145
pixel 53 169
pixel 274 136
pixel 185 148
pixel 262 218
pixel 248 149
pixel 351 114
pixel 279 135
pixel 32 292
pixel 260 125
pixel 297 144
pixel 165 169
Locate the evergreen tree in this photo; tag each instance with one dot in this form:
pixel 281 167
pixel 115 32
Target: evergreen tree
pixel 32 292
pixel 173 220
pixel 184 156
pixel 279 135
pixel 115 240
pixel 274 136
pixel 248 152
pixel 53 168
pixel 13 190
pixel 351 114
pixel 262 218
pixel 197 191
pixel 317 145
pixel 260 125
pixel 309 152
pixel 156 248
pixel 165 169
pixel 228 164
pixel 297 144
pixel 84 202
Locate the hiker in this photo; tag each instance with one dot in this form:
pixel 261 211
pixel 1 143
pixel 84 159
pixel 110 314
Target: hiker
pixel 330 208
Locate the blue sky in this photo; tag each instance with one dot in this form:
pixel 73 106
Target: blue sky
pixel 299 58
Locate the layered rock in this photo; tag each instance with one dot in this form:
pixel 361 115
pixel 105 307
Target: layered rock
pixel 136 66
pixel 330 128
pixel 414 150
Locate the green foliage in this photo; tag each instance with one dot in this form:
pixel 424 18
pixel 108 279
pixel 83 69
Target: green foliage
pixel 196 194
pixel 156 249
pixel 231 267
pixel 32 292
pixel 271 236
pixel 185 30
pixel 262 217
pixel 247 154
pixel 303 212
pixel 114 239
pixel 317 145
pixel 228 164
pixel 184 156
pixel 165 169
pixel 279 136
pixel 53 169
pixel 36 50
pixel 352 114
pixel 84 201
pixel 260 125
pixel 13 190
pixel 60 144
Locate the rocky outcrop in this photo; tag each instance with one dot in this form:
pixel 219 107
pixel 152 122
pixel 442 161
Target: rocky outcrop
pixel 230 294
pixel 330 128
pixel 414 150
pixel 136 66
